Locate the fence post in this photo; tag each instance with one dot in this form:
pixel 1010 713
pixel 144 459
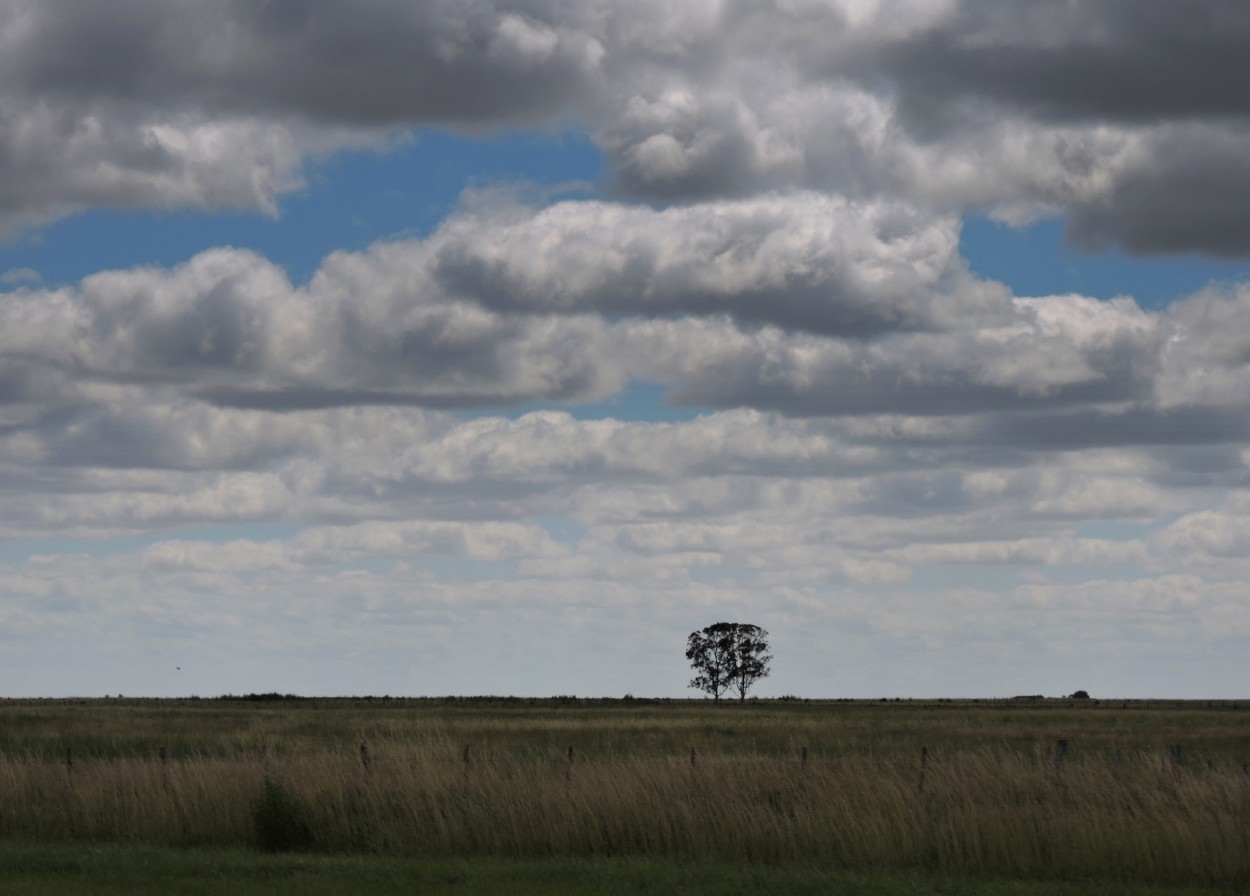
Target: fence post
pixel 364 755
pixel 924 764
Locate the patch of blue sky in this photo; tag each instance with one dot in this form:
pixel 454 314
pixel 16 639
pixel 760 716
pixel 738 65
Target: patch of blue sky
pixel 442 569
pixel 721 576
pixel 350 201
pixel 563 529
pixel 448 570
pixel 1036 261
pixel 378 566
pixel 644 401
pixel 1001 578
pixel 1121 530
pixel 935 577
pixel 1082 574
pixel 638 401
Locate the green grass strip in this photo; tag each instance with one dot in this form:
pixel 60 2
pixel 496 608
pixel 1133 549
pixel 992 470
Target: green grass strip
pixel 72 869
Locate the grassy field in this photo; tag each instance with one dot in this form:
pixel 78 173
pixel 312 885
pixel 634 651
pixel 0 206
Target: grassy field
pixel 64 870
pixel 885 795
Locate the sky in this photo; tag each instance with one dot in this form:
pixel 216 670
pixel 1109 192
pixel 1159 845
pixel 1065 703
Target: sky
pixel 493 346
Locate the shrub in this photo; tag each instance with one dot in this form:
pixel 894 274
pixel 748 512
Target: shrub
pixel 280 819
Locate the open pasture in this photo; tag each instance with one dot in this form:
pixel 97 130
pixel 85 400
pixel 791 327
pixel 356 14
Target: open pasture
pixel 1145 792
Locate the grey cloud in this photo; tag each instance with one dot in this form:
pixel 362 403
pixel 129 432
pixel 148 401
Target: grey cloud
pixel 1034 363
pixel 1141 425
pixel 502 310
pixel 1206 535
pixel 228 325
pixel 321 546
pixel 1178 195
pixel 542 458
pixel 30 380
pixel 56 160
pixel 296 398
pixel 756 129
pixel 1218 463
pixel 753 498
pixel 146 502
pixel 692 148
pixel 802 261
pixel 374 63
pixel 489 312
pixel 135 105
pixel 1166 75
pixel 386 462
pixel 17 276
pixel 1129 118
pixel 131 431
pixel 838 390
pixel 1108 61
pixel 1206 358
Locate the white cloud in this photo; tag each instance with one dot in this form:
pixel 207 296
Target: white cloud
pixel 328 546
pixel 18 276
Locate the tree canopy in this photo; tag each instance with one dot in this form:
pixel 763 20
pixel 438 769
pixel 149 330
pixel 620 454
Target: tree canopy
pixel 728 655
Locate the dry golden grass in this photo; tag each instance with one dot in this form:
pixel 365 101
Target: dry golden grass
pixel 992 798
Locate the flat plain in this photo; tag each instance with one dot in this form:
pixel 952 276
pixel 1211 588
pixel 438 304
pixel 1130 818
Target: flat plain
pixel 559 795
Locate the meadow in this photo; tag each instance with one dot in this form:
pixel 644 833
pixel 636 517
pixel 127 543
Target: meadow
pixel 1089 792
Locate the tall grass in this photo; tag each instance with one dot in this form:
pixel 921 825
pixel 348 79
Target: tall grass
pixel 997 804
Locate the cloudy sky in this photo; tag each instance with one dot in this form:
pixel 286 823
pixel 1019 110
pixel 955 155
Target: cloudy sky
pixel 492 346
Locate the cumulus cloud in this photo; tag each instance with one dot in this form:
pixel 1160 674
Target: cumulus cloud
pixel 1040 355
pixel 17 276
pixel 802 260
pixel 1127 121
pixel 142 106
pixel 1111 61
pixel 764 302
pixel 795 303
pixel 328 546
pixel 380 63
pixel 229 326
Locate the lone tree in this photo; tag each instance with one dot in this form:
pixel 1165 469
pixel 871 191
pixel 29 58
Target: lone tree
pixel 728 655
